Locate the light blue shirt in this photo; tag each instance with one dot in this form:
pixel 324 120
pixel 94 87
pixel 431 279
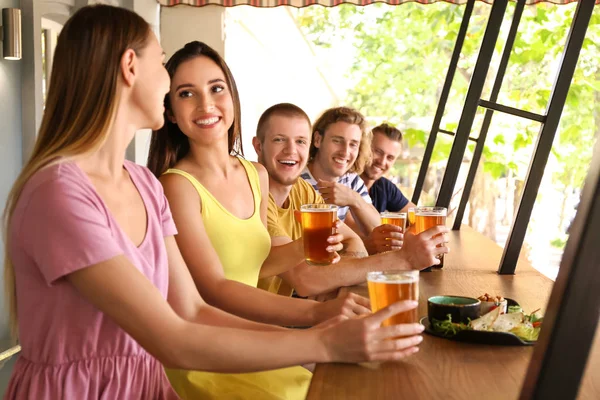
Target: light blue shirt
pixel 350 179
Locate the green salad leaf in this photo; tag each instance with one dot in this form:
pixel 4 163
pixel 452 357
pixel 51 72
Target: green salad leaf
pixel 513 309
pixel 447 327
pixel 526 332
pixel 533 318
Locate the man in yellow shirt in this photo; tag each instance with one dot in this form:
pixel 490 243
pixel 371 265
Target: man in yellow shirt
pixel 282 143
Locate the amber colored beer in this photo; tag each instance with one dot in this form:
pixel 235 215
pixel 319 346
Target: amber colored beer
pixel 386 288
pixel 398 219
pixel 411 216
pixel 318 223
pixel 428 217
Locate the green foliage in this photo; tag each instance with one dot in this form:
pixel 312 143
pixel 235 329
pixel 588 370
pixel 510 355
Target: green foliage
pixel 495 169
pixel 559 243
pixel 414 137
pixel 401 55
pixel 400 59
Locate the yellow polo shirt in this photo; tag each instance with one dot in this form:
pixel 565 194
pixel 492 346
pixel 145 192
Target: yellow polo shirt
pixel 281 222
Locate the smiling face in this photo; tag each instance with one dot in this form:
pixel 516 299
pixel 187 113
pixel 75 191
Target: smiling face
pixel 284 150
pixel 201 101
pixel 338 148
pixel 385 153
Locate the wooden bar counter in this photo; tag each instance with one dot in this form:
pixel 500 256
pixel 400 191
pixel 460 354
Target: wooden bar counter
pixel 445 369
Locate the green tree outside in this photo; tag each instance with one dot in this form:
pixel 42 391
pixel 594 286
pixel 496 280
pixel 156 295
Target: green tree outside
pixel 398 61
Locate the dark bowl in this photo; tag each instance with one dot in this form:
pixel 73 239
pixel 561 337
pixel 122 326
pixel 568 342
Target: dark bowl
pixel 462 309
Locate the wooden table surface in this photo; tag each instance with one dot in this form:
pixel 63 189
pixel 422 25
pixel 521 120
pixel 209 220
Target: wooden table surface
pixel 445 369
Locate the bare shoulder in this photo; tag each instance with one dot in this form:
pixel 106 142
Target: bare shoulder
pixel 262 171
pixel 263 175
pixel 178 188
pixel 174 181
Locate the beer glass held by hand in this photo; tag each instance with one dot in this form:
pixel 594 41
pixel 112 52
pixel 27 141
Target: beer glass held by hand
pixel 318 223
pixel 389 287
pixel 428 217
pixel 398 219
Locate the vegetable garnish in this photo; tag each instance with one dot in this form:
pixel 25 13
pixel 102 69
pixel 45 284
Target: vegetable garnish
pixel 526 327
pixel 447 327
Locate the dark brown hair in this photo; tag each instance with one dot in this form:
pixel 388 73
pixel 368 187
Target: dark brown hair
pixel 168 144
pixel 350 116
pixel 82 100
pixel 281 109
pixel 390 131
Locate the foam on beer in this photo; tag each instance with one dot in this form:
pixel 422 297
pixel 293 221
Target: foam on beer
pixel 391 279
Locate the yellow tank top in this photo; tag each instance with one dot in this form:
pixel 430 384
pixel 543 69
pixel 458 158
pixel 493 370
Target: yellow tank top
pixel 242 244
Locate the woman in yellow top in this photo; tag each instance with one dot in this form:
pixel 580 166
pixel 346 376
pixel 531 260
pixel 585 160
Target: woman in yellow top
pixel 219 204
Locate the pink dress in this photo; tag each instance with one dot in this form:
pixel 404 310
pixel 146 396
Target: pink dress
pixel 71 350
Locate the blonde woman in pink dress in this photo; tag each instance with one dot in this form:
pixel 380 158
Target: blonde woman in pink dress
pixel 97 286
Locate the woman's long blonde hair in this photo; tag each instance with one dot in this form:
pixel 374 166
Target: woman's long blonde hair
pixel 81 103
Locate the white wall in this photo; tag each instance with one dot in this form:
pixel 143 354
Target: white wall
pixel 182 24
pixel 147 9
pixel 272 63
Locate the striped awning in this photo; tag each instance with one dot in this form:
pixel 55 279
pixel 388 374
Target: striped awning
pixel 326 3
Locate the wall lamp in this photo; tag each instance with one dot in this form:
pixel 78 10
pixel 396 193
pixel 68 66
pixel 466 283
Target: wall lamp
pixel 10 35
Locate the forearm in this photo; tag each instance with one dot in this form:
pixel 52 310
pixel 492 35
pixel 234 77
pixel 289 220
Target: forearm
pixel 365 216
pixel 259 305
pixel 208 348
pixel 209 315
pixel 370 245
pixel 353 245
pixel 352 242
pixel 312 281
pixel 127 297
pixel 408 206
pixel 281 258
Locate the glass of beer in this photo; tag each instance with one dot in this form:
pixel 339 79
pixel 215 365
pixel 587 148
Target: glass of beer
pixel 411 216
pixel 428 217
pixel 318 223
pixel 398 219
pixel 390 287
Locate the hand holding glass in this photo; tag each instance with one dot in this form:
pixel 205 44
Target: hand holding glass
pixel 318 223
pixel 389 287
pixel 428 217
pixel 397 219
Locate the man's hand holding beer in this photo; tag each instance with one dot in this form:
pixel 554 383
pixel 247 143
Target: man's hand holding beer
pixel 384 238
pixel 421 250
pixel 334 241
